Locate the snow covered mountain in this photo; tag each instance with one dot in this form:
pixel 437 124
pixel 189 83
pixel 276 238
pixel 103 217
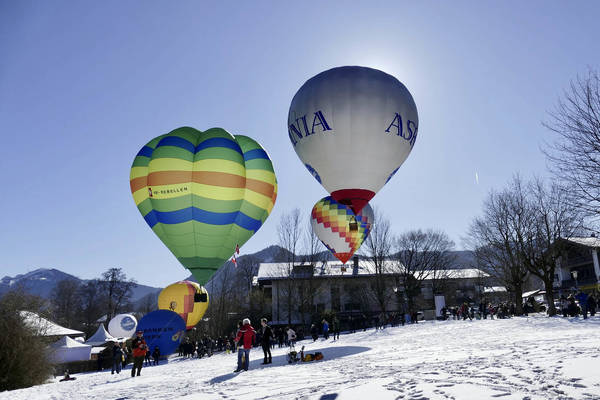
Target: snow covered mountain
pixel 42 281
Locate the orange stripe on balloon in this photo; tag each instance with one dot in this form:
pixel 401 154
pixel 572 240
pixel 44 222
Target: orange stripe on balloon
pixel 137 183
pixel 260 187
pixel 204 177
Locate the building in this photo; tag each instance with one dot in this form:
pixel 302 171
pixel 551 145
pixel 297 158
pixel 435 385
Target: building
pixel 300 293
pixel 578 266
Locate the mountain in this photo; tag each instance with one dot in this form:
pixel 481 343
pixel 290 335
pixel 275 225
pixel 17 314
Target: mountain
pixel 42 281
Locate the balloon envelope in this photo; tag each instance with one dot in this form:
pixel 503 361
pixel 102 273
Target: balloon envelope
pixel 162 328
pixel 353 127
pixel 186 298
pixel 122 325
pixel 333 223
pixel 203 194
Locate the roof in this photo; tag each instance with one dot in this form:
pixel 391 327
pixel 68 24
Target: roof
pixel 270 271
pixel 585 241
pixel 46 327
pixel 67 342
pixel 100 337
pixel 494 289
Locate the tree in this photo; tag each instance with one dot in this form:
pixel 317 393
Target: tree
pixel 575 154
pixel 418 255
pixel 148 303
pixel 66 302
pixel 289 232
pixel 494 238
pixel 225 307
pixel 23 355
pixel 116 290
pixel 91 307
pixel 309 287
pixel 377 249
pixel 247 268
pixel 541 243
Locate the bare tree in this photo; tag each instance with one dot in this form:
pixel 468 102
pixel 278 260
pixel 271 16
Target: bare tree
pixel 247 268
pixel 377 250
pixel 495 236
pixel 66 303
pixel 310 286
pixel 289 232
pixel 575 154
pixel 148 303
pixel 419 254
pixel 225 306
pixel 91 305
pixel 116 290
pixel 552 218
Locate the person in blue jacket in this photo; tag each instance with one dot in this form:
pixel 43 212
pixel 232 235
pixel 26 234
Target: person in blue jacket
pixel 582 298
pixel 325 329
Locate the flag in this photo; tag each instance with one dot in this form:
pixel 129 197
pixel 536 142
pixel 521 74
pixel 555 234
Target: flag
pixel 237 249
pixel 234 261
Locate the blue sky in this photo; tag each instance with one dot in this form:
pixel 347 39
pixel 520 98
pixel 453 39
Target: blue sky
pixel 83 85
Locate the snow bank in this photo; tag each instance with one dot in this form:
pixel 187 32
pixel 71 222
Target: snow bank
pixel 520 358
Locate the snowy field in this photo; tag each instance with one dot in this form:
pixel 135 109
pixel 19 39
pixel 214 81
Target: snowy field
pixel 519 358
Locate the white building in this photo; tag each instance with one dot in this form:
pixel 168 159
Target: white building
pixel 344 289
pixel 578 266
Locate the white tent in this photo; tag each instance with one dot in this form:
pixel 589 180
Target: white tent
pixel 45 327
pixel 100 337
pixel 67 350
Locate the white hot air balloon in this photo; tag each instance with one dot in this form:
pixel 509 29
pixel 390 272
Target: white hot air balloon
pixel 353 127
pixel 122 325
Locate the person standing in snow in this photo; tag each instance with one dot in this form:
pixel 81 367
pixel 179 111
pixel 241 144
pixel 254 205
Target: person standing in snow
pixel 244 339
pixel 314 332
pixel 325 329
pixel 139 349
pixel 582 297
pixel 592 304
pixel 156 355
pixel 265 341
pixel 291 336
pixel 117 358
pixel 336 328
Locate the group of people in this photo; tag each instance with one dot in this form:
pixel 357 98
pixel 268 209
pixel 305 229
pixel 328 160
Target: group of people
pixel 579 303
pixel 139 352
pixel 482 311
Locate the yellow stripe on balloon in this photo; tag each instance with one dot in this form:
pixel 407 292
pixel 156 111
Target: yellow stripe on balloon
pixel 257 199
pixel 171 191
pixel 217 192
pixel 137 172
pixel 175 164
pixel 261 175
pixel 140 195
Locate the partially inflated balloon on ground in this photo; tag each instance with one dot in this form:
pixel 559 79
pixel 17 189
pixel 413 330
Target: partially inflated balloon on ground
pixel 122 325
pixel 340 230
pixel 203 194
pixel 353 127
pixel 186 298
pixel 163 329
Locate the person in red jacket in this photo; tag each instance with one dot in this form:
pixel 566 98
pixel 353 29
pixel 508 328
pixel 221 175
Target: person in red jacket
pixel 244 339
pixel 139 348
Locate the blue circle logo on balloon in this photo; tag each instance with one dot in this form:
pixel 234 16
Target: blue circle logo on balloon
pixel 163 329
pixel 128 324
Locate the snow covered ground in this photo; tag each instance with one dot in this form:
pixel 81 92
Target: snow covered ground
pixel 520 358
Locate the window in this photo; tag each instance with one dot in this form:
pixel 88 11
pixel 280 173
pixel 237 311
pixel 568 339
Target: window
pixel 335 298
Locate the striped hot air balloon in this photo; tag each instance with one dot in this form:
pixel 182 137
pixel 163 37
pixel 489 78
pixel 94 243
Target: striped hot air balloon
pixel 340 230
pixel 203 193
